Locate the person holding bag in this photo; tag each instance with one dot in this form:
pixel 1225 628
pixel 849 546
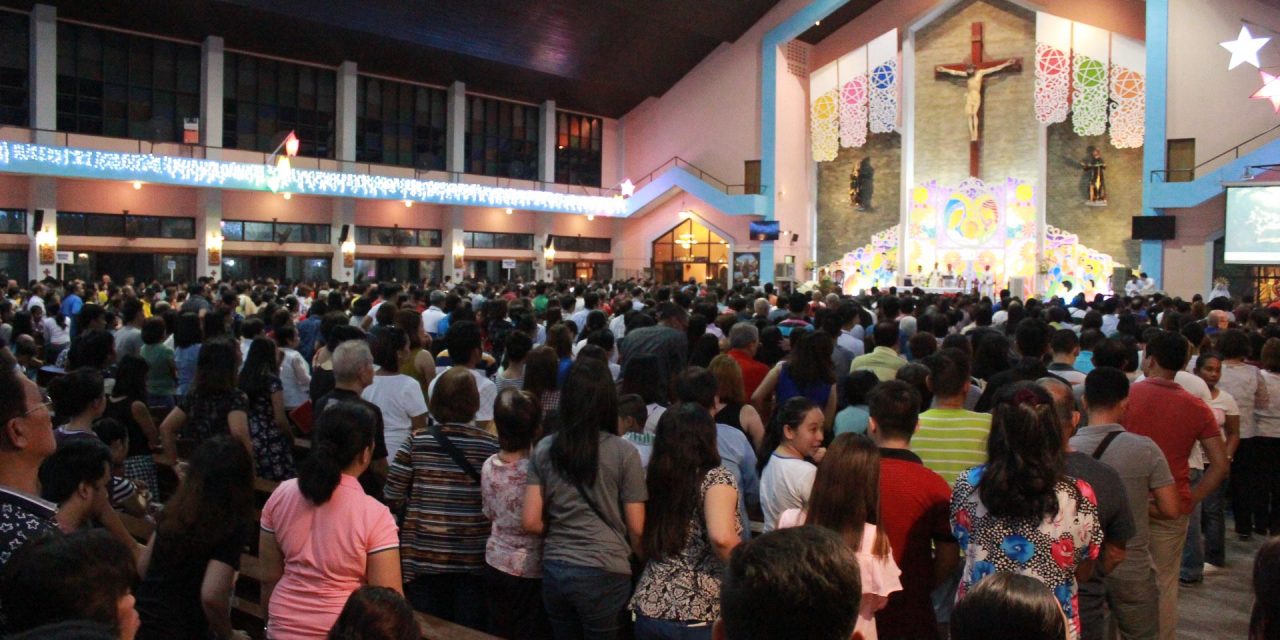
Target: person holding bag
pixel 436 474
pixel 586 494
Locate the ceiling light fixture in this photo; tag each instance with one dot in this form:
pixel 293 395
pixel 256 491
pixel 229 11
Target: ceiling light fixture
pixel 137 184
pixel 288 196
pixel 508 211
pixel 408 203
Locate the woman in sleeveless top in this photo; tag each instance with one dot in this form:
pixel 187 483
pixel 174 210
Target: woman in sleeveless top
pixel 808 371
pixel 419 365
pixel 127 405
pixel 736 413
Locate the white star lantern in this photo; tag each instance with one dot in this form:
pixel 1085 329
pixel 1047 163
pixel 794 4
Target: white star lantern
pixel 1244 48
pixel 628 189
pixel 1270 91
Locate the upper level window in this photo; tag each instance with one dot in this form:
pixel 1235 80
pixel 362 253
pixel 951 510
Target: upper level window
pixel 583 245
pixel 14 70
pixel 578 143
pixel 502 138
pixel 115 225
pixel 279 232
pixel 397 237
pixel 13 221
pixel 401 124
pixel 125 85
pixel 486 240
pixel 263 100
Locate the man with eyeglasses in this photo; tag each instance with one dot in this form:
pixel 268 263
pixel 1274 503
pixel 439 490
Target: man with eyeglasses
pixel 26 439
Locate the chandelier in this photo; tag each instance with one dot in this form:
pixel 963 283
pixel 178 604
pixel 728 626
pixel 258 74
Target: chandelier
pixel 687 240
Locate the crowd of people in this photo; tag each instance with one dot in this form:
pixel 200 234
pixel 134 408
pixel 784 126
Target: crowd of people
pixel 626 459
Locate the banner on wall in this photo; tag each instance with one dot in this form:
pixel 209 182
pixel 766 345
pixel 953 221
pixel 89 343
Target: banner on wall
pixel 823 113
pixel 746 266
pixel 882 63
pixel 1128 92
pixel 852 68
pixel 1090 54
pixel 1053 68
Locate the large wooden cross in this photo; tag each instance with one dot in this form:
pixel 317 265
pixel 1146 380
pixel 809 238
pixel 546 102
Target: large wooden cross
pixel 974 72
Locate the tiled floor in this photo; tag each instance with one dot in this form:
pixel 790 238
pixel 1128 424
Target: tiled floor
pixel 1219 608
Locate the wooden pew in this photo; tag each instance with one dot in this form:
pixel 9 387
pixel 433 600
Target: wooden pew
pixel 433 628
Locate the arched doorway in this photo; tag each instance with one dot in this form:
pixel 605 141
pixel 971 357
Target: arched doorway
pixel 690 251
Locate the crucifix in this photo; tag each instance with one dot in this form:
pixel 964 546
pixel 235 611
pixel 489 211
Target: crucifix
pixel 974 72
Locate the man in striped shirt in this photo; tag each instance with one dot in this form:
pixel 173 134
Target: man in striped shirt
pixel 951 438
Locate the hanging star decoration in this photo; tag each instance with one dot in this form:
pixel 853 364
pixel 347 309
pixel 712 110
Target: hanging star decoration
pixel 1270 91
pixel 628 188
pixel 1244 48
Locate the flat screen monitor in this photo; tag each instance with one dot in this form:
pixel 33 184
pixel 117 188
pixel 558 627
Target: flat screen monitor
pixel 1253 225
pixel 764 230
pixel 1154 227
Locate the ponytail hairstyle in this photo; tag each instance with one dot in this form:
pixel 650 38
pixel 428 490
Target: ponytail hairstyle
pixel 75 392
pixel 1025 454
pixel 790 414
pixel 846 492
pixel 342 432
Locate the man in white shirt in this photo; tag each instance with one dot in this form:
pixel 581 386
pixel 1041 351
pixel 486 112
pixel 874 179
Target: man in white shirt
pixel 431 317
pixel 851 332
pixel 37 298
pixel 463 340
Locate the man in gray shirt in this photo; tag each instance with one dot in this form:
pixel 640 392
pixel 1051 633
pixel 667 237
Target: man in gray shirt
pixel 129 337
pixel 1131 586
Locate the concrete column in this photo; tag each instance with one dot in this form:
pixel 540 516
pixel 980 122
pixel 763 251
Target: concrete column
pixel 347 109
pixel 208 226
pixel 451 238
pixel 212 63
pixel 547 142
pixel 44 73
pixel 344 213
pixel 456 143
pixel 43 195
pixel 541 230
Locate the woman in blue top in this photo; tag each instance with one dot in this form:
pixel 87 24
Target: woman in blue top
pixel 187 336
pixel 808 371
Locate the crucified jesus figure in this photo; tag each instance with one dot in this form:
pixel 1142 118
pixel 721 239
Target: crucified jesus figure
pixel 973 91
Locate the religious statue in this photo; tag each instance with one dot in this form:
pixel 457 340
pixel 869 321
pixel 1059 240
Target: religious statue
pixel 1095 172
pixel 973 88
pixel 862 185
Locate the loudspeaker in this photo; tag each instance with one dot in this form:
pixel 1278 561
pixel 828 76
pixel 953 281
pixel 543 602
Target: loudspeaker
pixel 550 239
pixel 346 231
pixel 38 221
pixel 795 237
pixel 1119 277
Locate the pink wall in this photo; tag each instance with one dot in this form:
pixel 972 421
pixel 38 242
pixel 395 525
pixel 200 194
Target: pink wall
pixel 490 219
pixel 793 198
pixel 262 206
pixel 388 213
pixel 14 191
pixel 711 117
pixel 102 196
pixel 1206 101
pixel 1188 258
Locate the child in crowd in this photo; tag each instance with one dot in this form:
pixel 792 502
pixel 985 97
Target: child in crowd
pixel 632 413
pixel 786 475
pixel 375 613
pixel 513 558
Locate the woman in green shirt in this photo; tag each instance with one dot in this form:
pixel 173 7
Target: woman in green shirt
pixel 161 372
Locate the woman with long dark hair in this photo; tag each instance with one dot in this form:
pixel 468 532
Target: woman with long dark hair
pixel 644 377
pixel 586 493
pixel 691 526
pixel 540 378
pixel 127 404
pixel 162 383
pixel 736 412
pixel 190 563
pixel 214 405
pixel 322 537
pixel 419 365
pixel 268 424
pixel 1019 513
pixel 808 371
pixel 846 499
pixel 1008 606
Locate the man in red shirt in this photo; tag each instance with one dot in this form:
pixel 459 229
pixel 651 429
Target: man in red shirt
pixel 914 503
pixel 744 339
pixel 1162 410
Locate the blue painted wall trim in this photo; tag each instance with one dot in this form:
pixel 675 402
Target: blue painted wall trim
pixel 1154 143
pixel 1171 195
pixel 776 37
pixel 675 177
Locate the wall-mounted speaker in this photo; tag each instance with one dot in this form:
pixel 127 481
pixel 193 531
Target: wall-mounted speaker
pixel 346 231
pixel 795 237
pixel 37 222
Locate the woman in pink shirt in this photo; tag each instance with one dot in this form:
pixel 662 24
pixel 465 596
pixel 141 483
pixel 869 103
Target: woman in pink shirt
pixel 322 537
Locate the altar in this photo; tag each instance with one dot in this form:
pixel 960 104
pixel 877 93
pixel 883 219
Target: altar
pixel 1025 205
